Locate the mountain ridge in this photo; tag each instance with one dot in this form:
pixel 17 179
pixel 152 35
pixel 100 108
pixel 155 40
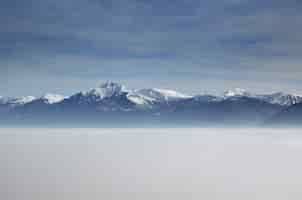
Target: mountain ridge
pixel 113 103
pixel 111 88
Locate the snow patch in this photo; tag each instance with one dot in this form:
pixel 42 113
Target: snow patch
pixel 156 94
pixel 52 98
pixel 21 100
pixel 236 92
pixel 137 99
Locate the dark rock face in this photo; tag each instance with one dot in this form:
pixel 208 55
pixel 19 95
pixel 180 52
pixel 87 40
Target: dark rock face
pixel 291 116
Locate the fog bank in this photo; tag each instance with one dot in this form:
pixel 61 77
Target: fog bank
pixel 147 164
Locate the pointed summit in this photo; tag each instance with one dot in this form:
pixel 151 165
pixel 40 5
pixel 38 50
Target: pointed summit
pixel 236 92
pixel 113 86
pixel 106 89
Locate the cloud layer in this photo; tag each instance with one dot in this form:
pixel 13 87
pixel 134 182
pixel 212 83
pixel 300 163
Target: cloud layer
pixel 206 44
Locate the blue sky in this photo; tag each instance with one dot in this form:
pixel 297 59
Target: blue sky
pixel 63 46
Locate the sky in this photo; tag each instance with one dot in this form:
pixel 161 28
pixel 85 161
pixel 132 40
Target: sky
pixel 205 46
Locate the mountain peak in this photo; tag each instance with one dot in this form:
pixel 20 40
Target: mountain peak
pixel 236 92
pixel 52 98
pixel 106 89
pixel 111 85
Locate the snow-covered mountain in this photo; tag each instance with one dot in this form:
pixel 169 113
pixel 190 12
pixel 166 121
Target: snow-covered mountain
pixel 99 94
pixel 161 95
pixel 119 94
pixel 109 96
pixel 52 98
pixel 281 98
pixel 112 102
pixel 278 98
pixel 22 100
pixel 19 101
pixel 152 96
pixel 237 92
pixel 105 90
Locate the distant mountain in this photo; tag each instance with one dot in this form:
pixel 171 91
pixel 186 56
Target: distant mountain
pixel 161 95
pixel 107 97
pixel 52 98
pixel 236 92
pixel 16 101
pixel 279 98
pixel 210 109
pixel 291 115
pixel 113 103
pixel 113 96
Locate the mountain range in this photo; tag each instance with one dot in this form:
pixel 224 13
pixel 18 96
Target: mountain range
pixel 112 104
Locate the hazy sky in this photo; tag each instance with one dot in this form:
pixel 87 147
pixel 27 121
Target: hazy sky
pixel 63 46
